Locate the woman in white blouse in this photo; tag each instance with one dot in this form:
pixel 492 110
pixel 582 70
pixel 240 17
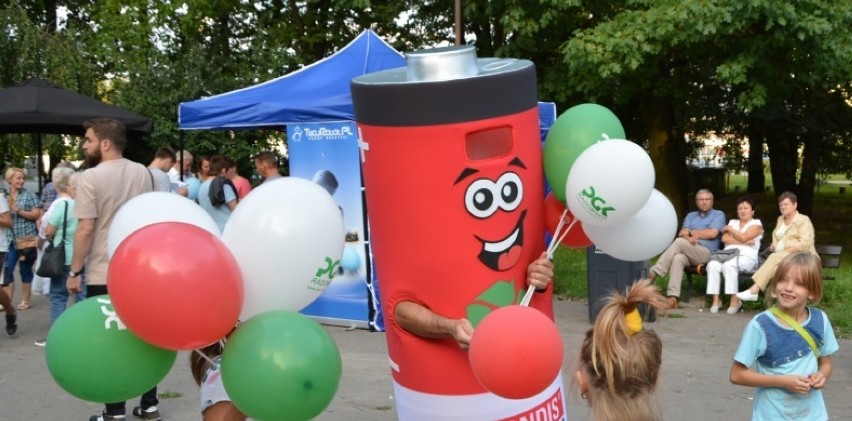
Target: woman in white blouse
pixel 743 234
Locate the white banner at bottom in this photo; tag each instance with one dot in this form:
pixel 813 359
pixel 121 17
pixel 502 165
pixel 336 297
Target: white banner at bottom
pixel 549 405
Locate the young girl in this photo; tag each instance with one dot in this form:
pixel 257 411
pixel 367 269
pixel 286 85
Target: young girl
pixel 215 403
pixel 789 367
pixel 619 361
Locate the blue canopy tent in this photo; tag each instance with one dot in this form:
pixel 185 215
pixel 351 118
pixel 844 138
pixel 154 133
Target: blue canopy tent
pixel 318 92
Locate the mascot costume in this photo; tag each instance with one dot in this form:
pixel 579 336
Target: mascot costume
pixel 452 166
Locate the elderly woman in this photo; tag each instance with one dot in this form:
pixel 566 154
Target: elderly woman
pixel 62 224
pixel 744 235
pixel 26 210
pixel 793 232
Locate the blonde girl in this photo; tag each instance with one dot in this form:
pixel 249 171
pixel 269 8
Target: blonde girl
pixel 786 351
pixel 620 361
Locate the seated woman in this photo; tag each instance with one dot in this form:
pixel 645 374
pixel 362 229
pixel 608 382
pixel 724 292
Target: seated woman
pixel 743 234
pixel 793 232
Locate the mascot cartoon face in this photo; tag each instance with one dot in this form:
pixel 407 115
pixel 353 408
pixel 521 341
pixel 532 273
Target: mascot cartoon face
pixel 494 198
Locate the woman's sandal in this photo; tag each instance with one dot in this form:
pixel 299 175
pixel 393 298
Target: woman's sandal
pixel 24 305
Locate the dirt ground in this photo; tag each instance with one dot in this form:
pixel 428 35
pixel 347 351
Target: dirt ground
pixel 697 351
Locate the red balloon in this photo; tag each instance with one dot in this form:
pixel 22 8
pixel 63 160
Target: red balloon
pixel 576 237
pixel 516 352
pixel 175 285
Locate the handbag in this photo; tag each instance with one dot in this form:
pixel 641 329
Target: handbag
pixel 723 256
pixel 53 258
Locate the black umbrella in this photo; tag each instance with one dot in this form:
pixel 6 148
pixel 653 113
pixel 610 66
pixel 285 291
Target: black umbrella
pixel 38 106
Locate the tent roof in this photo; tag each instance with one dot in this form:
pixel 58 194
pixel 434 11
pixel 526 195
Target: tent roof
pixel 318 92
pixel 38 106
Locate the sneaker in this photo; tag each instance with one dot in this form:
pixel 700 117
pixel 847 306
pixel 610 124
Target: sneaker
pixel 41 342
pixel 747 295
pixel 735 309
pixel 714 309
pixel 11 323
pixel 150 414
pixel 105 417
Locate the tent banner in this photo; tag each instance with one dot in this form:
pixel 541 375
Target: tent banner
pixel 327 153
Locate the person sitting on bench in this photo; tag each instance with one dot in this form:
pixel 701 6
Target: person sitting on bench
pixel 743 236
pixel 696 240
pixel 793 232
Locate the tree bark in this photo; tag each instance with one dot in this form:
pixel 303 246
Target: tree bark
pixel 807 179
pixel 667 152
pixel 783 157
pixel 756 176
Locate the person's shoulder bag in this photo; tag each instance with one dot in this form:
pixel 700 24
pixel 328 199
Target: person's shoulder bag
pixel 53 258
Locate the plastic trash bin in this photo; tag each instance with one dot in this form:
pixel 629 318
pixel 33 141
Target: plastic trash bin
pixel 607 274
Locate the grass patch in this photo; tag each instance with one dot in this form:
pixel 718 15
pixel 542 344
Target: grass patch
pixel 169 395
pixel 832 219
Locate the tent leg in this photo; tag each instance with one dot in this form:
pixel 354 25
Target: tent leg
pixel 39 162
pixel 180 154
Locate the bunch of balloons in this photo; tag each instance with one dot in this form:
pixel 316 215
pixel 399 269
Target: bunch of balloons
pixel 177 283
pixel 603 188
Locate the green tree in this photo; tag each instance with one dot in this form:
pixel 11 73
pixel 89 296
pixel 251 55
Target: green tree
pixel 767 60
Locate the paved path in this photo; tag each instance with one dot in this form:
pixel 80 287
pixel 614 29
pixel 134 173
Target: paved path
pixel 697 351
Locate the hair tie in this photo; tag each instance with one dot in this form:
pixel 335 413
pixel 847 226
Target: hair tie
pixel 633 321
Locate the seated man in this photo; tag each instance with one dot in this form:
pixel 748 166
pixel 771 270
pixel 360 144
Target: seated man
pixel 695 242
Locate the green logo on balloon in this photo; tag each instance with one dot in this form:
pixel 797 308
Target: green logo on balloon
pixel 320 281
pixel 595 204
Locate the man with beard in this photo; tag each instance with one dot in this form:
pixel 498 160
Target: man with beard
pixel 108 183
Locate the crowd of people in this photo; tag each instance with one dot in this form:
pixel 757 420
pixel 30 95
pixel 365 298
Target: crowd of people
pixel 706 243
pixel 77 208
pixel 785 351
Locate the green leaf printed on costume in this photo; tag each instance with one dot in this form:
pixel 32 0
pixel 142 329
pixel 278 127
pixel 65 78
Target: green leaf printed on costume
pixel 500 294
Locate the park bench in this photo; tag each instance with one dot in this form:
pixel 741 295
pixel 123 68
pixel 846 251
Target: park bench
pixel 828 254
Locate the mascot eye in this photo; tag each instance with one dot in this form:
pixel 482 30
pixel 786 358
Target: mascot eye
pixel 479 198
pixel 511 191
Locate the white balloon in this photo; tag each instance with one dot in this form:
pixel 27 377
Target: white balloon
pixel 151 208
pixel 288 238
pixel 647 234
pixel 609 182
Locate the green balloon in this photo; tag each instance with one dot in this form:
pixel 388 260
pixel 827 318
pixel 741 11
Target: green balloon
pixel 281 365
pixel 575 130
pixel 94 357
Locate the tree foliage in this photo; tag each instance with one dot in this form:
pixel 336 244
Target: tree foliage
pixel 775 72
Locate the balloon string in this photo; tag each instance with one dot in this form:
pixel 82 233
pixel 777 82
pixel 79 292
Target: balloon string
pixel 555 243
pixel 525 302
pixel 556 232
pixel 203 355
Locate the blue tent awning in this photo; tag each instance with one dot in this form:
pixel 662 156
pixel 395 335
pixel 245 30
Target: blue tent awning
pixel 315 93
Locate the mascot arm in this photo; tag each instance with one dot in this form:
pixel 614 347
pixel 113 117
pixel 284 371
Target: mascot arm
pixel 420 320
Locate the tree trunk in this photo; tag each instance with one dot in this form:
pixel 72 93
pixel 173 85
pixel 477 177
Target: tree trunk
pixel 756 176
pixel 667 152
pixel 50 15
pixel 807 179
pixel 783 158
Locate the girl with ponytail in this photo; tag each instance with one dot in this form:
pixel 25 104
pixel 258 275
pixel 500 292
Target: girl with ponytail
pixel 619 360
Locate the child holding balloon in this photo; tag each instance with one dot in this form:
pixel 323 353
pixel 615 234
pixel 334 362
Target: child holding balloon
pixel 619 360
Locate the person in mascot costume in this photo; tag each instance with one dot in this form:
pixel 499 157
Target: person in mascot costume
pixel 452 166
